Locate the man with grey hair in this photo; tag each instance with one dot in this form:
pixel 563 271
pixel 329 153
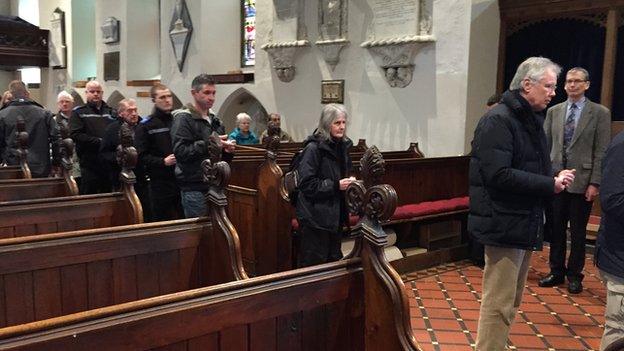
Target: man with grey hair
pixel 40 127
pixel 87 124
pixel 578 131
pixel 510 183
pixel 65 104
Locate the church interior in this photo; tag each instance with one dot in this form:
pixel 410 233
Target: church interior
pixel 94 272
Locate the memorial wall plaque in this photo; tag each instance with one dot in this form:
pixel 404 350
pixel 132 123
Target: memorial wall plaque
pixel 395 18
pixel 111 66
pixel 57 46
pixel 285 23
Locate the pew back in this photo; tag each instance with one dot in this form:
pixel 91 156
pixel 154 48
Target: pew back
pixel 52 215
pixel 37 188
pixel 11 172
pixel 58 274
pixel 318 308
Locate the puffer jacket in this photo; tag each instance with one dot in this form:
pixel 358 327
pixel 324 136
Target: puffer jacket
pixel 320 203
pixel 510 176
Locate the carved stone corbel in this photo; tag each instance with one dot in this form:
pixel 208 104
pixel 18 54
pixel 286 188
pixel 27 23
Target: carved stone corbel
pixel 396 50
pixel 396 56
pixel 216 174
pixel 283 56
pixel 127 156
pixel 387 317
pixel 21 139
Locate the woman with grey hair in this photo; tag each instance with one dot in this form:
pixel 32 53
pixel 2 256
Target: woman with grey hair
pixel 323 177
pixel 242 134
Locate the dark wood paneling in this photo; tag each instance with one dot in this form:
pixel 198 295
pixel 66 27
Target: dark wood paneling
pixel 234 338
pixel 124 279
pixel 18 290
pixel 74 288
pixel 147 275
pixel 47 293
pixel 168 277
pixel 209 342
pixel 100 278
pixel 263 335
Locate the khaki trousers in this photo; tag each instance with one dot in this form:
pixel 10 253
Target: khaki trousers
pixel 614 312
pixel 503 283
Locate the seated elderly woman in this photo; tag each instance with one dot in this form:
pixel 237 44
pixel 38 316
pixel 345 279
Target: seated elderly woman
pixel 241 133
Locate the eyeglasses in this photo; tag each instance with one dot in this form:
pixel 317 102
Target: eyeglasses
pixel 575 81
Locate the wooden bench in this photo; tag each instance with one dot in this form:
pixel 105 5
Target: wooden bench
pixel 37 188
pixel 41 216
pixel 52 275
pixel 356 304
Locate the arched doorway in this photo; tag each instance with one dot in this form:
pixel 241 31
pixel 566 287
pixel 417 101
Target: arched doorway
pixel 239 101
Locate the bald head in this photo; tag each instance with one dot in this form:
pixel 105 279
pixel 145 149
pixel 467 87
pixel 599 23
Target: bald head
pixel 94 92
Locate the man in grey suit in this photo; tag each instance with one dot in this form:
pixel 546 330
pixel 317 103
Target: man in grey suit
pixel 578 133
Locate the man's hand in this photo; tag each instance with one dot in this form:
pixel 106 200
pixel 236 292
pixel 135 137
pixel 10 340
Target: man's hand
pixel 564 179
pixel 170 160
pixel 591 193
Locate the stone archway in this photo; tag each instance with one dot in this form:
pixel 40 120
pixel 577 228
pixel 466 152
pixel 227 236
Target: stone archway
pixel 242 100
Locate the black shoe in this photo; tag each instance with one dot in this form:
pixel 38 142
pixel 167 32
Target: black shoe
pixel 550 280
pixel 575 287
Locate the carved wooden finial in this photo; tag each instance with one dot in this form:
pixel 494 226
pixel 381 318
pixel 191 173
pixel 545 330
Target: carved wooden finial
pixel 21 140
pixel 65 145
pixel 272 141
pixel 126 154
pixel 384 291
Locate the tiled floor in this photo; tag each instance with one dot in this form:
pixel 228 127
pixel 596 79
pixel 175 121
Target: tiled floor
pixel 444 304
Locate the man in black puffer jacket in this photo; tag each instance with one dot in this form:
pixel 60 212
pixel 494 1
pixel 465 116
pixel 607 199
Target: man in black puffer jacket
pixel 324 175
pixel 510 183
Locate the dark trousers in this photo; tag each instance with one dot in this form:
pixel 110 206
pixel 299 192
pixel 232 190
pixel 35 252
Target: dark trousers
pixel 318 246
pixel 166 203
pixel 575 209
pixel 94 181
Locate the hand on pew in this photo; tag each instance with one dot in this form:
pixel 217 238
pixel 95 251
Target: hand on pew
pixel 228 145
pixel 344 182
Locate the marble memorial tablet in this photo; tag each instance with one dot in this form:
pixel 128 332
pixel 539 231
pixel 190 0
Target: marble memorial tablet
pixel 111 66
pixel 395 18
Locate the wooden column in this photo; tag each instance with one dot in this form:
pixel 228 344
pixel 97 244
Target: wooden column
pixel 608 67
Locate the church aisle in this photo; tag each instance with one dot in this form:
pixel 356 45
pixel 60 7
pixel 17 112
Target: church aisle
pixel 445 301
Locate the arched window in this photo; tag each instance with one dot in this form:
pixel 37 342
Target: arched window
pixel 249 33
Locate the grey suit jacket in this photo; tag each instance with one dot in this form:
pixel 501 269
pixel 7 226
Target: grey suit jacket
pixel 587 147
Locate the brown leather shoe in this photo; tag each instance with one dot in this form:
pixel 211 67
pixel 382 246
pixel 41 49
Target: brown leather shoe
pixel 551 280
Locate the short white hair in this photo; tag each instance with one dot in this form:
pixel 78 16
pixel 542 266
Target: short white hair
pixel 66 95
pixel 242 117
pixel 533 69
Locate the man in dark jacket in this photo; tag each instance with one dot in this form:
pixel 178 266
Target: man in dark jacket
pixel 191 131
pixel 324 175
pixel 153 143
pixel 510 182
pixel 40 127
pixel 609 254
pixel 88 123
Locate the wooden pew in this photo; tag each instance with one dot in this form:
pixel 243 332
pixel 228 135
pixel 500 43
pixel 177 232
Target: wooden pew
pixel 24 189
pixel 52 275
pixel 355 304
pixel 259 210
pixel 51 215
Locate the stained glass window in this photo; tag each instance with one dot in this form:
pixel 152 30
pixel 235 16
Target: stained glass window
pixel 249 33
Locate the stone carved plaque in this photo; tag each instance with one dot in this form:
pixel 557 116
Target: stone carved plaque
pixel 395 18
pixel 332 29
pixel 111 66
pixel 57 46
